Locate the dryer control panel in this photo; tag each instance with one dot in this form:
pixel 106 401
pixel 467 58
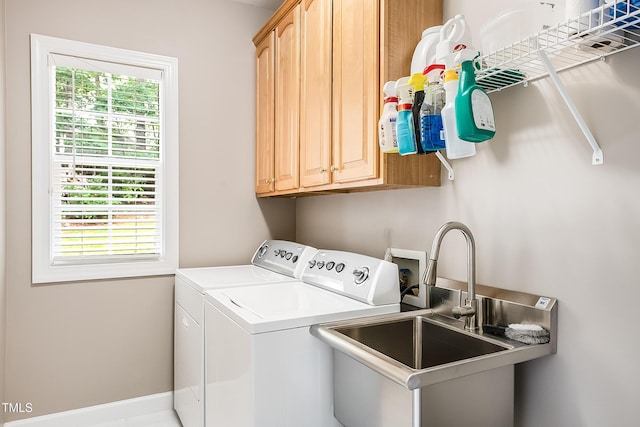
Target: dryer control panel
pixel 361 277
pixel 283 256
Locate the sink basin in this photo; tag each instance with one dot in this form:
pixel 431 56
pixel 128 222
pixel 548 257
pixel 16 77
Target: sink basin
pixel 420 343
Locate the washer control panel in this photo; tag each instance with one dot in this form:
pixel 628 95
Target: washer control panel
pixel 367 279
pixel 284 257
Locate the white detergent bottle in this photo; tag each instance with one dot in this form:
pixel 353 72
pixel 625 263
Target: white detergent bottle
pixel 455 35
pixel 387 137
pixel 455 147
pixel 425 52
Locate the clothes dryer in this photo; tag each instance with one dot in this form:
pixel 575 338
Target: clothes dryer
pixel 274 261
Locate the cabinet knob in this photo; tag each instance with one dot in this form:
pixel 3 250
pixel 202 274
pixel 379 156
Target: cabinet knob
pixel 322 170
pixel 333 168
pixel 269 181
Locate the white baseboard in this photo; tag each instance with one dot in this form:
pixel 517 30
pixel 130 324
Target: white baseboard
pixel 93 415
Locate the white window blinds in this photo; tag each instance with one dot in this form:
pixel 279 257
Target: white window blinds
pixel 106 165
pixel 110 180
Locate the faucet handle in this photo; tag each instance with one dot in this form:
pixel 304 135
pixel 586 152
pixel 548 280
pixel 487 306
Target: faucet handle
pixel 465 310
pixel 469 311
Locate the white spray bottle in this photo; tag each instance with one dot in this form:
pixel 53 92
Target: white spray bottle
pixel 454 37
pixel 387 137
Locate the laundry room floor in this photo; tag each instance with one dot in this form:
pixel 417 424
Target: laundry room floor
pixel 157 419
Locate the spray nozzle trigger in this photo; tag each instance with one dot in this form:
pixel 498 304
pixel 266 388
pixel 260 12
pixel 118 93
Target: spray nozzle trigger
pixel 468 55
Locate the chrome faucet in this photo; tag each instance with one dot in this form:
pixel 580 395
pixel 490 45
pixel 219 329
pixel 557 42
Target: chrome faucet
pixel 470 307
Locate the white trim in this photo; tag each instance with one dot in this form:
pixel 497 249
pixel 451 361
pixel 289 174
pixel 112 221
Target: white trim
pixel 98 414
pixel 43 270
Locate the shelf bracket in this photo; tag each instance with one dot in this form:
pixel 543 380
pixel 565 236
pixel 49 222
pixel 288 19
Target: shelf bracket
pixel 445 164
pixel 597 158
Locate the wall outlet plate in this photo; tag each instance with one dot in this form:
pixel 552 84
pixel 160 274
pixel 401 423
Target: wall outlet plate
pixel 416 263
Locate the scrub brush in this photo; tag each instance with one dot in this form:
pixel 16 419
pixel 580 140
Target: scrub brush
pixel 527 333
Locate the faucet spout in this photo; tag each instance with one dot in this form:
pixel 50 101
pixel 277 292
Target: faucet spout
pixel 470 308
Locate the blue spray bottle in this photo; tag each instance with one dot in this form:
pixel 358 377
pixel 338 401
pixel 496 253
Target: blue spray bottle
pixel 431 127
pixel 405 130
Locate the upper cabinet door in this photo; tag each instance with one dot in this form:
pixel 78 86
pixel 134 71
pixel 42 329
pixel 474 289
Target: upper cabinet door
pixel 287 101
pixel 265 68
pixel 315 96
pixel 355 89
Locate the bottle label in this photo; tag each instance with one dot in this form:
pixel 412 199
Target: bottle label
pixel 394 136
pixel 482 111
pixel 388 138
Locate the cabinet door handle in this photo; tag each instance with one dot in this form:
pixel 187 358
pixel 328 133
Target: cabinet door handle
pixel 333 168
pixel 322 170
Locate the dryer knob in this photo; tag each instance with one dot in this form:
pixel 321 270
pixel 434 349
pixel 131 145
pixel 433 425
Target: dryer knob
pixel 360 275
pixel 262 251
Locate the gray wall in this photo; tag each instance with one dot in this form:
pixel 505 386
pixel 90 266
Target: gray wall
pixel 79 344
pixel 3 275
pixel 545 222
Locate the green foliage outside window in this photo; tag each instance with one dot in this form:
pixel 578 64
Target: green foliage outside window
pixel 101 116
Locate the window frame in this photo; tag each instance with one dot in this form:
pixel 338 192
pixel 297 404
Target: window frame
pixel 44 270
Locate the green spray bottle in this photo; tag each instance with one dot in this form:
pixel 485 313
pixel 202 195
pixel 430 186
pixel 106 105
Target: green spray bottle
pixel 474 112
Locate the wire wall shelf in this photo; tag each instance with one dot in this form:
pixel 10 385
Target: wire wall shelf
pixel 602 31
pixel 596 34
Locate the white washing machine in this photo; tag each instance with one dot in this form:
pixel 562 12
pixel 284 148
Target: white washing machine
pixel 264 368
pixel 274 261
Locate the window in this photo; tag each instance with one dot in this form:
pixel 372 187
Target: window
pixel 104 162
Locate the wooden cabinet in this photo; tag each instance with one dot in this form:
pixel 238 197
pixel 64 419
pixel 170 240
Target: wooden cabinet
pixel 287 101
pixel 315 101
pixel 278 106
pixel 348 49
pixel 265 102
pixel 338 138
pixel 355 89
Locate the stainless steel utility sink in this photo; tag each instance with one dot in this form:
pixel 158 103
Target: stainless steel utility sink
pixel 406 369
pixel 420 343
pixel 422 368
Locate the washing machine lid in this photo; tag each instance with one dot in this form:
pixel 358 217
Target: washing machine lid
pixel 288 305
pixel 222 277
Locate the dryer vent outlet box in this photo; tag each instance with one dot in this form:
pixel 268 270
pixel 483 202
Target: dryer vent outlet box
pixel 414 264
